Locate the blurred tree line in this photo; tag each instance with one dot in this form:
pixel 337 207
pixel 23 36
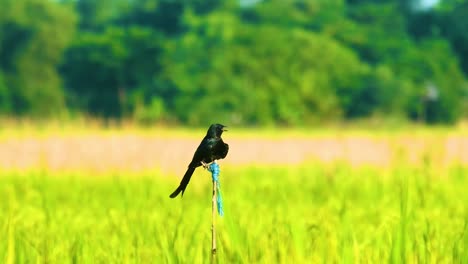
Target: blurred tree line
pixel 281 62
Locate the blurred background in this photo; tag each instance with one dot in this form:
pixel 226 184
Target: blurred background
pixel 239 62
pixel 155 74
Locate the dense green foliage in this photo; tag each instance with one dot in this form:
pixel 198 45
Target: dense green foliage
pixel 238 62
pixel 318 214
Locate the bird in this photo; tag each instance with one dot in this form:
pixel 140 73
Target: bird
pixel 211 148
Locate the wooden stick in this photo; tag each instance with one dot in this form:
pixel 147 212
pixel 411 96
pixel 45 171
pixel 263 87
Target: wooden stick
pixel 213 221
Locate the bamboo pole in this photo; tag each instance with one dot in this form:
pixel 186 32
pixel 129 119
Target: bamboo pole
pixel 213 222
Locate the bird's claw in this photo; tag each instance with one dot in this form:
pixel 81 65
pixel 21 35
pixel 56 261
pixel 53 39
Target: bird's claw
pixel 206 165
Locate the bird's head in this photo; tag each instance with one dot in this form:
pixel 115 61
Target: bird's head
pixel 216 130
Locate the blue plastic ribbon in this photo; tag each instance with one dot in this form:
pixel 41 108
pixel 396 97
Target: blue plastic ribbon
pixel 214 169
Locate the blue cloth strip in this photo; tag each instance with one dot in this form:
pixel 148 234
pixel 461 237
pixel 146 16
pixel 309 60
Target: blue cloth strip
pixel 214 169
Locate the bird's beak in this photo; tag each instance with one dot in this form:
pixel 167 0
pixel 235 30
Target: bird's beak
pixel 224 128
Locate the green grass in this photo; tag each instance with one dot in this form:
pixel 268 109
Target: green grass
pixel 304 214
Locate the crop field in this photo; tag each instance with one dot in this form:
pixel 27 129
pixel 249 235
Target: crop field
pixel 290 197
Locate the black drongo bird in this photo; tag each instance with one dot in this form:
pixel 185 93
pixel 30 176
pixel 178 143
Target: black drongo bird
pixel 211 148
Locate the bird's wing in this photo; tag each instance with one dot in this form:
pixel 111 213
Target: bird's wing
pixel 221 150
pixel 225 150
pixel 203 152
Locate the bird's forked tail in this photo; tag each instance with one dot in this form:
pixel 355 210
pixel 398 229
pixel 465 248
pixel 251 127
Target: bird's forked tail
pixel 184 182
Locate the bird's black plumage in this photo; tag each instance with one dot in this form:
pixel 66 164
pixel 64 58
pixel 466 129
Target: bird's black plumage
pixel 210 149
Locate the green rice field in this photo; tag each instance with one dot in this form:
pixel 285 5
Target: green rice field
pixel 301 214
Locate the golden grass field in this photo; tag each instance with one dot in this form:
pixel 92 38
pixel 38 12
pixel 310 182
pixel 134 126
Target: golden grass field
pixel 169 150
